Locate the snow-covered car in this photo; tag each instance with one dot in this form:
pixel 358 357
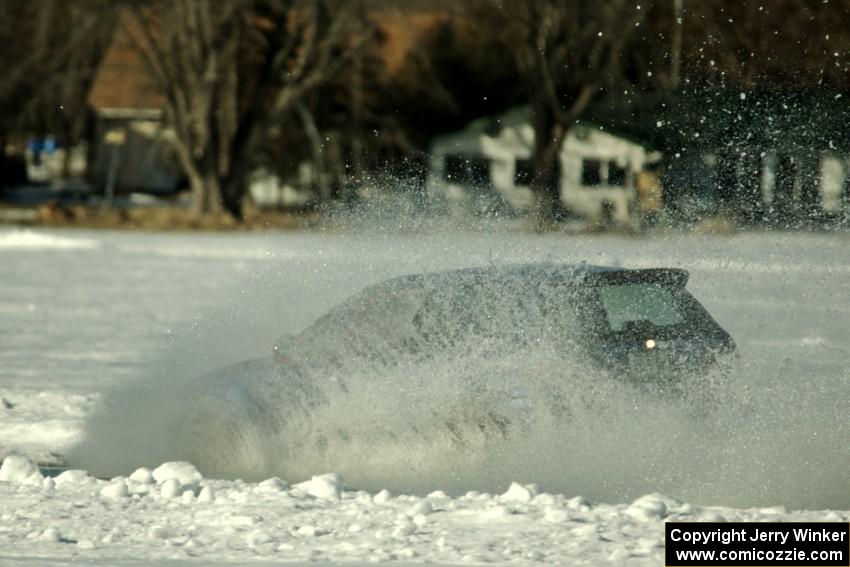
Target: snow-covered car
pixel 638 324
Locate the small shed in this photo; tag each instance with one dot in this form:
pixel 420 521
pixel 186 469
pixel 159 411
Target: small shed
pixel 130 148
pixel 487 167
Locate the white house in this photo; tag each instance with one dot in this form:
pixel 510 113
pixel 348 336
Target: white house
pixel 487 166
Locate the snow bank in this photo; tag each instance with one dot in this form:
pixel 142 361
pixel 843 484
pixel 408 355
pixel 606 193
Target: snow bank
pixel 320 521
pixel 30 240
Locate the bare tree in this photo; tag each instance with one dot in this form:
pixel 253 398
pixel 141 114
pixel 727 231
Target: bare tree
pixel 230 70
pixel 566 52
pixel 51 53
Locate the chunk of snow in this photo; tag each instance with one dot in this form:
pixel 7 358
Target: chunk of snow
pixel 556 515
pixel 171 488
pixel 382 497
pixel 115 490
pixel 51 535
pixel 588 531
pixel 159 532
pixel 424 508
pixel 183 472
pixel 273 484
pixel 520 492
pixel 649 507
pixel 328 486
pixel 258 537
pixel 578 503
pixel 142 475
pixel 404 529
pixel 310 531
pixel 207 494
pixel 73 476
pixel 19 470
pixel 496 513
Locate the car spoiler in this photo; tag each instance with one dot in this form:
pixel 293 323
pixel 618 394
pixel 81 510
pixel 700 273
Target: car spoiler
pixel 661 276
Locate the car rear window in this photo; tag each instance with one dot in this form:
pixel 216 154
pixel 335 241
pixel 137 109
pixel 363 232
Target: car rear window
pixel 640 302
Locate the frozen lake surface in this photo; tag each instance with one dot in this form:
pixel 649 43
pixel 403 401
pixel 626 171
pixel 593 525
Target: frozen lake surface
pixel 85 313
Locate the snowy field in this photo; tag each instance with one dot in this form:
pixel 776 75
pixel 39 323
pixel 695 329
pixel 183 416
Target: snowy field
pixel 90 319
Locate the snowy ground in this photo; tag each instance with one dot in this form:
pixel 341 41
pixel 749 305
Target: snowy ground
pixel 82 313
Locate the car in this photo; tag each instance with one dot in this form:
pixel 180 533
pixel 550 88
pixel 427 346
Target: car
pixel 637 325
pixel 461 358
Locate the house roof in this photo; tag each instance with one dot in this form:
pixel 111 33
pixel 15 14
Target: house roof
pixel 519 115
pixel 123 84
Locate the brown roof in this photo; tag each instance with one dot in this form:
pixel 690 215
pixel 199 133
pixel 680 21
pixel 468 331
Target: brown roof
pixel 403 32
pixel 122 81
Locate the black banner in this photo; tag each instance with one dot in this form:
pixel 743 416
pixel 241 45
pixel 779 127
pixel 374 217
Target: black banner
pixel 763 544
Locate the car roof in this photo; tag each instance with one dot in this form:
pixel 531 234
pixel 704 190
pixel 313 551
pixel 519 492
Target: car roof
pixel 570 274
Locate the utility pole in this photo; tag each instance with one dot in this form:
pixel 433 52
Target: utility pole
pixel 115 140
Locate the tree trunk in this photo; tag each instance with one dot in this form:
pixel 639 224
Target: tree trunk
pixel 233 196
pixel 547 172
pixel 317 149
pixel 206 193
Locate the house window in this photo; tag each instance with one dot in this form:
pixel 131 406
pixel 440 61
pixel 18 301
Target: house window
pixel 616 174
pixel 591 172
pixel 523 172
pixel 479 171
pixel 454 168
pixel 467 170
